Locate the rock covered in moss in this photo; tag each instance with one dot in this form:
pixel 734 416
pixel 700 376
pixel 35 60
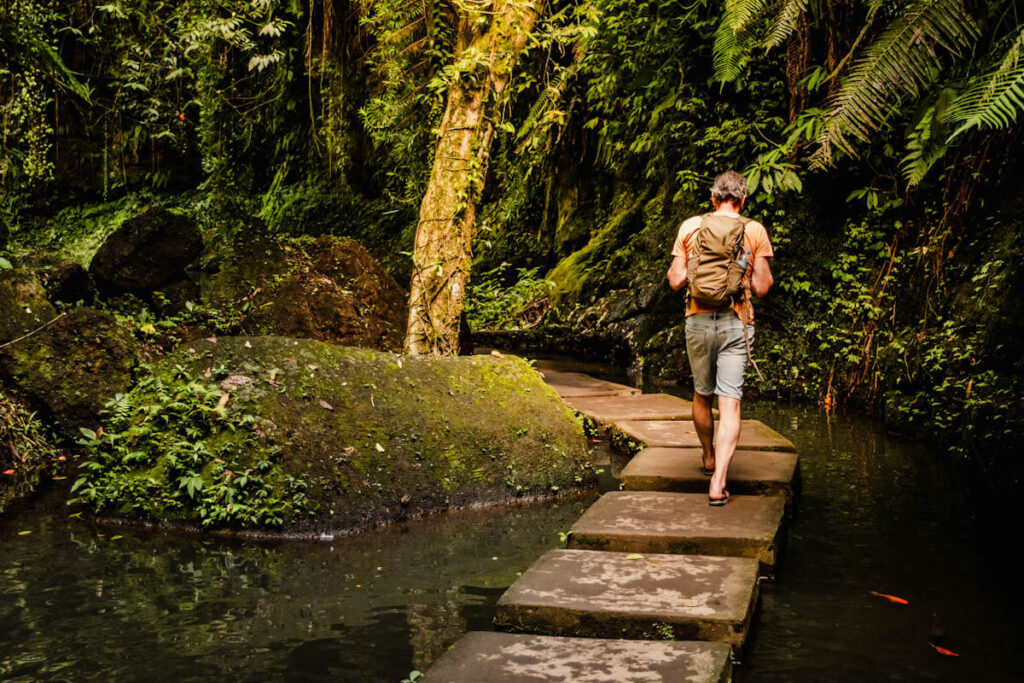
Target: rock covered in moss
pixel 23 304
pixel 330 289
pixel 64 281
pixel 71 368
pixel 146 251
pixel 347 438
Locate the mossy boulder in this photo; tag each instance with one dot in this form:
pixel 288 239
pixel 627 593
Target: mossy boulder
pixel 330 289
pixel 23 304
pixel 64 280
pixel 146 251
pixel 328 438
pixel 73 367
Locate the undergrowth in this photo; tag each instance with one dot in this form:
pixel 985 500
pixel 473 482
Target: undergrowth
pixel 172 451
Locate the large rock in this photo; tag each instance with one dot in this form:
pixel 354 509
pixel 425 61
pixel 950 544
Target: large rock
pixel 330 289
pixel 147 251
pixel 73 367
pixel 23 304
pixel 64 281
pixel 331 437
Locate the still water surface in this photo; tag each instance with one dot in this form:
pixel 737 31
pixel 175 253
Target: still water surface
pixel 78 603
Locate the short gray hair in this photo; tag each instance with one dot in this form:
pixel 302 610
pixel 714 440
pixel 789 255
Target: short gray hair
pixel 730 186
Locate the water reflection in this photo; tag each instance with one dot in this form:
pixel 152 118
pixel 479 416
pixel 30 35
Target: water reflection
pixel 131 605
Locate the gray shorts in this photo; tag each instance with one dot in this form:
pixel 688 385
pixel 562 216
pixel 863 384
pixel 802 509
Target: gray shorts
pixel 717 353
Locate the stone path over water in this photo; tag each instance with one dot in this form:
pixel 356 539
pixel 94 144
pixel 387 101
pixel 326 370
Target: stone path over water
pixel 655 585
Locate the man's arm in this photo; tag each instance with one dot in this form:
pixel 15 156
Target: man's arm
pixel 761 279
pixel 677 273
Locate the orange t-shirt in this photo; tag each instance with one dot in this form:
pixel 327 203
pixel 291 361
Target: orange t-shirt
pixel 755 239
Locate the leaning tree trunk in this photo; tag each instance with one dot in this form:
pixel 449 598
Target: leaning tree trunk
pixel 491 35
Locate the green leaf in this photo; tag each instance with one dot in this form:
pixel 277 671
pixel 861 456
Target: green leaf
pixel 5 264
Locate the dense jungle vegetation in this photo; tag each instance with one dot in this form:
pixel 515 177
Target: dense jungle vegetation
pixel 880 140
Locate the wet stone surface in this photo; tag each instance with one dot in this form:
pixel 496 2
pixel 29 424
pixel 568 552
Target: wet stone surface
pixel 754 435
pixel 660 522
pixel 641 407
pixel 624 595
pixel 679 469
pixel 519 658
pixel 576 384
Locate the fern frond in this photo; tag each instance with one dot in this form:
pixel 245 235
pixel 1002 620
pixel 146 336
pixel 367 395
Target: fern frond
pixel 785 22
pixel 896 65
pixel 926 143
pixel 730 39
pixel 992 99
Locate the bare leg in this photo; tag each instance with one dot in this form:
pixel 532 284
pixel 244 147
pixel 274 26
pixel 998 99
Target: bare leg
pixel 727 437
pixel 704 423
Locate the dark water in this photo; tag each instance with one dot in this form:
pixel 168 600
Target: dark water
pixel 77 603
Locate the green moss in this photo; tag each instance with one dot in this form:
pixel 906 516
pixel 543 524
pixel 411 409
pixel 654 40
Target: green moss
pixel 375 436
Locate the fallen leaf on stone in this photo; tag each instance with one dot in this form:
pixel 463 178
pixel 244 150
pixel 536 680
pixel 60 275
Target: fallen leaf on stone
pixel 380 448
pixel 325 405
pixel 224 398
pixel 634 556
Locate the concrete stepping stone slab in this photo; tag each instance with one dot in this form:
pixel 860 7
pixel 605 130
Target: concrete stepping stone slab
pixel 662 522
pixel 576 384
pixel 625 595
pixel 754 435
pixel 605 409
pixel 679 469
pixel 481 656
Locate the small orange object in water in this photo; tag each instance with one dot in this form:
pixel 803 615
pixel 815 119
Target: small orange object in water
pixel 891 598
pixel 8 472
pixel 943 651
pixel 181 117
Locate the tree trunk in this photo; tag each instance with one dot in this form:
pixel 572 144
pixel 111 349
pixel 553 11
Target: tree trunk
pixel 491 35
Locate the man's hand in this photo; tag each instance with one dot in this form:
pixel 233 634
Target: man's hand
pixel 677 273
pixel 761 279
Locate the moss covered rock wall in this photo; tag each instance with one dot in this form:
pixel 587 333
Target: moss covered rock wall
pixel 304 435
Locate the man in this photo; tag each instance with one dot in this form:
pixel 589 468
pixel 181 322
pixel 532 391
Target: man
pixel 717 339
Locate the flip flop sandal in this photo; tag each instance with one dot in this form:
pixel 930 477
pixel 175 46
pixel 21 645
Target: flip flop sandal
pixel 718 502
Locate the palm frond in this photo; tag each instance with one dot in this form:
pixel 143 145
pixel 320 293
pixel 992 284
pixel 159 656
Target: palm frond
pixel 896 65
pixel 992 99
pixel 785 22
pixel 730 36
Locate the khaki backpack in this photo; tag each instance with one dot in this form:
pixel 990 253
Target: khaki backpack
pixel 718 261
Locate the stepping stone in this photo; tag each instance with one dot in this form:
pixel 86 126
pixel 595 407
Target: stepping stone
pixel 679 469
pixel 640 407
pixel 623 595
pixel 754 435
pixel 519 658
pixel 576 384
pixel 661 522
